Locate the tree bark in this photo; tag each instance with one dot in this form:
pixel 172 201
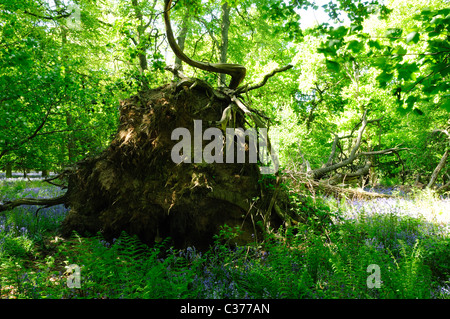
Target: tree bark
pixel 236 71
pixel 225 26
pixel 48 202
pixel 8 170
pixel 140 42
pixel 181 39
pixel 438 169
pixel 70 142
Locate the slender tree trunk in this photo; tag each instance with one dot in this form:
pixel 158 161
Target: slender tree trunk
pixel 141 42
pixel 225 26
pixel 71 141
pixel 8 170
pixel 438 169
pixel 69 118
pixel 181 39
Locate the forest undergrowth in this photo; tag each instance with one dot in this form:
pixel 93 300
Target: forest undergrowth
pixel 407 238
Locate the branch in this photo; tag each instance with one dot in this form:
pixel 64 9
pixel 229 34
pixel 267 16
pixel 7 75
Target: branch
pixel 211 34
pixel 33 135
pixel 341 177
pixel 48 202
pixel 333 151
pixel 360 133
pixel 236 71
pixel 442 131
pixel 426 77
pixel 382 152
pixel 65 15
pixel 246 88
pixel 443 188
pixel 354 154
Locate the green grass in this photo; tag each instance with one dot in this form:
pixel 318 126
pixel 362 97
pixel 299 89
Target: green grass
pixel 327 257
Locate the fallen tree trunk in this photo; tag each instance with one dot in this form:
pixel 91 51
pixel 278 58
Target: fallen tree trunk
pixel 331 171
pixel 325 188
pixel 47 202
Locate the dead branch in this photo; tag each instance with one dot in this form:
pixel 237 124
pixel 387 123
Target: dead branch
pixel 355 153
pixel 303 179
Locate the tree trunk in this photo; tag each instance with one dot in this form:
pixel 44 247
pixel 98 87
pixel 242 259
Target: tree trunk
pixel 225 26
pixel 181 39
pixel 438 169
pixel 71 150
pixel 141 42
pixel 8 170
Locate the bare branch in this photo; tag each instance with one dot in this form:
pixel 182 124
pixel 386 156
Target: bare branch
pixel 246 88
pixel 60 16
pixel 333 150
pixel 48 202
pixel 354 154
pixel 383 152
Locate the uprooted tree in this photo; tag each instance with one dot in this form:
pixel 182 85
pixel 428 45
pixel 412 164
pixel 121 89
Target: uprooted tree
pixel 135 186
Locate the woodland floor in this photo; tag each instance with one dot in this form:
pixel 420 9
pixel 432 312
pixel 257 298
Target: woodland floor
pixel 407 237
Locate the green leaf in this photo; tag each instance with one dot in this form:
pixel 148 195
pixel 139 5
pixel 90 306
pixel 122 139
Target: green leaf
pixel 407 70
pixel 445 70
pixel 410 101
pixel 374 44
pixel 340 32
pixel 355 46
pixel 384 78
pixel 436 20
pixel 401 109
pixel 394 33
pixel 380 61
pixel 333 65
pixel 400 51
pixel 446 104
pixel 442 68
pixel 413 37
pixel 334 43
pixel 356 27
